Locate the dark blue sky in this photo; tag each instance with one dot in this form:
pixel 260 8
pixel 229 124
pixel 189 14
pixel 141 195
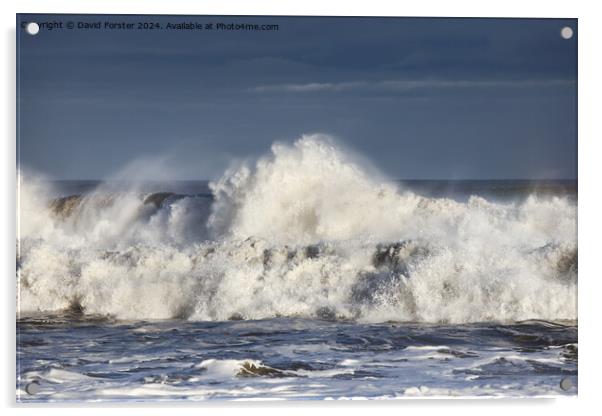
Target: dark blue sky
pixel 421 97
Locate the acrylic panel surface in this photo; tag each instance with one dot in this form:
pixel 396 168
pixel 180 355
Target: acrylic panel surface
pixel 220 208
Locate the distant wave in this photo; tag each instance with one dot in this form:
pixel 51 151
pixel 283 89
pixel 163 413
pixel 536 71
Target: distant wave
pixel 306 230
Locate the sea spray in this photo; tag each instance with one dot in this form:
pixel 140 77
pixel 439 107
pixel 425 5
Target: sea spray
pixel 304 231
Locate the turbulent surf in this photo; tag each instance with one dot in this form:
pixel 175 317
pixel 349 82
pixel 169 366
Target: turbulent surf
pixel 308 230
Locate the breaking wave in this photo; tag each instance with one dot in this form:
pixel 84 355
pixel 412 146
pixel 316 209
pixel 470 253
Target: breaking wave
pixel 304 231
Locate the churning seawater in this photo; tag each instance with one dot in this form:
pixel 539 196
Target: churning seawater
pixel 304 274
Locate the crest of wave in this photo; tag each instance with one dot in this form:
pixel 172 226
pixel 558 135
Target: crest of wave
pixel 315 191
pixel 306 192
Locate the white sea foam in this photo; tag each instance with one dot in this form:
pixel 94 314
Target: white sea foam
pixel 303 231
pixel 247 379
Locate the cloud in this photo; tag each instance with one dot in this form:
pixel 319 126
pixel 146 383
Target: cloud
pixel 311 87
pixel 405 85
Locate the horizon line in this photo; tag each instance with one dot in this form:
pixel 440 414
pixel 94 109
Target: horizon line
pixel 394 180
